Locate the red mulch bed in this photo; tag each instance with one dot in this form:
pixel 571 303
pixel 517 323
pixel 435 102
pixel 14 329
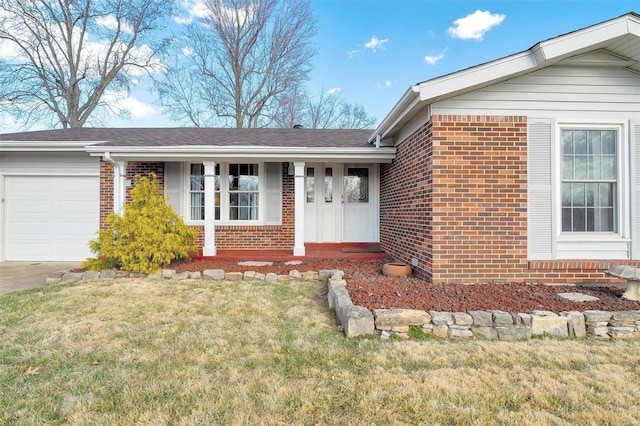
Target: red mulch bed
pixel 369 288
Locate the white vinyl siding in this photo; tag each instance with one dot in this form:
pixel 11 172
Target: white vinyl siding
pixel 595 92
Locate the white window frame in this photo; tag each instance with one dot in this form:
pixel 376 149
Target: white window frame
pixel 224 195
pixel 622 179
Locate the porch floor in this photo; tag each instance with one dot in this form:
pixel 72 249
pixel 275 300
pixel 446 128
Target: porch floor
pixel 313 251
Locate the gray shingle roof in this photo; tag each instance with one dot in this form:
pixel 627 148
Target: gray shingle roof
pixel 156 137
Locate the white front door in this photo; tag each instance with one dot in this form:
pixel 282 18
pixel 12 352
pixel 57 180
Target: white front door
pixel 323 213
pixel 359 203
pixel 340 203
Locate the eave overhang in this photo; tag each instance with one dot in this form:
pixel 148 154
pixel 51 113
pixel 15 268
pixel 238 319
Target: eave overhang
pixel 243 153
pixel 44 146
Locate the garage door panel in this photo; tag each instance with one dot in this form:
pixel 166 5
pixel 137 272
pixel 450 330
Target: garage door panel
pixel 50 217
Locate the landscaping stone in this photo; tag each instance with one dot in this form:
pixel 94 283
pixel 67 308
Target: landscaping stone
pixel 485 331
pixel 168 273
pixel 337 282
pixel 295 274
pixel 600 332
pixel 359 322
pixel 71 276
pixel 544 314
pixel 441 318
pixel 271 277
pixel 400 328
pixel 462 319
pixel 293 262
pixel 91 275
pixel 592 317
pixel 400 317
pixel 441 330
pixel 196 275
pixel 502 319
pixel 459 333
pixel 310 276
pixel 122 274
pixel 623 333
pixel 624 318
pixel 325 274
pixel 575 323
pixel 182 276
pixel 234 276
pixel 482 318
pixel 254 263
pixel 579 297
pixel 249 275
pixel 52 280
pixel 337 275
pixel 213 274
pixel 284 277
pixel 525 319
pixel 513 333
pixel 550 325
pixel 259 276
pixel 111 273
pixel 138 275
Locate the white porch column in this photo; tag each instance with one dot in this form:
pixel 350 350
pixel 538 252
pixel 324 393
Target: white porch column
pixel 209 248
pixel 298 246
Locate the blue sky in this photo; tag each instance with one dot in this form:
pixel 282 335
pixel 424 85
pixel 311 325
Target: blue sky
pixel 372 51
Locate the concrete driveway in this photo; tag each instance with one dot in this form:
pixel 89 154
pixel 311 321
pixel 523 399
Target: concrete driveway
pixel 17 276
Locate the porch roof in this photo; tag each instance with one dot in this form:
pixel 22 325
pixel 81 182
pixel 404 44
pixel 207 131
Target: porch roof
pixel 183 144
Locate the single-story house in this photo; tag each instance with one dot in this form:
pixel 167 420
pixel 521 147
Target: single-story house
pixel 523 168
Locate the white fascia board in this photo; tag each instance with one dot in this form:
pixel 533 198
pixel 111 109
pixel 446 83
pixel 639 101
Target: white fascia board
pixel 588 38
pixel 406 103
pixel 44 146
pixel 182 153
pixel 478 75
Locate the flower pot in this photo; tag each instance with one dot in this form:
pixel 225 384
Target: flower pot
pixel 395 269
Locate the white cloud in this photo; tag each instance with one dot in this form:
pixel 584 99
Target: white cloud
pixel 120 102
pixel 187 51
pixel 352 53
pixel 475 25
pixel 432 60
pixel 385 84
pixel 194 9
pixel 334 91
pixel 111 23
pixel 375 43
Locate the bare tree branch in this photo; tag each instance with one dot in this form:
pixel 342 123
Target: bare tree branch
pixel 247 54
pixel 58 58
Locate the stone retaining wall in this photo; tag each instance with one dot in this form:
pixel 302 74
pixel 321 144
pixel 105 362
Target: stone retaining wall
pixel 492 325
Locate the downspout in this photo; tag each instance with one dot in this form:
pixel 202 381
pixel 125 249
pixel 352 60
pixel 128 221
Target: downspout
pixel 119 176
pixel 378 140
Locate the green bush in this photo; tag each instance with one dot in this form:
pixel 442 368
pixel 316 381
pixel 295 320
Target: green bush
pixel 147 236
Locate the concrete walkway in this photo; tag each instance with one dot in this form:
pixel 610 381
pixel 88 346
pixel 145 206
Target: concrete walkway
pixel 17 276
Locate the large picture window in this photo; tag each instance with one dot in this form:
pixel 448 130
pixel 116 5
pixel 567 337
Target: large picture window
pixel 238 200
pixel 589 180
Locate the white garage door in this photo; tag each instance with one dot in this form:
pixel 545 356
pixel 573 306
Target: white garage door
pixel 50 218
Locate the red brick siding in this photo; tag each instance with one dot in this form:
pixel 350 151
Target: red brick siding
pixel 406 191
pixel 227 237
pixel 455 199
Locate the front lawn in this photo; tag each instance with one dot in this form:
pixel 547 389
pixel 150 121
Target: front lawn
pixel 182 353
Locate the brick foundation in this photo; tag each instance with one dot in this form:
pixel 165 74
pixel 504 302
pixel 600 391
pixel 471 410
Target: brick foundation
pixel 455 199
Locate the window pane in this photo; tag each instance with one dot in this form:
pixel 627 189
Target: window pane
pixel 357 185
pixel 577 194
pixel 310 182
pixel 580 142
pixel 567 167
pixel 578 216
pixel 609 142
pixel 566 195
pixel 328 185
pixel 566 220
pixel 197 206
pixel 580 167
pixel 609 167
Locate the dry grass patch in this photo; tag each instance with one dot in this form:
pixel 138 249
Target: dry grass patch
pixel 183 353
